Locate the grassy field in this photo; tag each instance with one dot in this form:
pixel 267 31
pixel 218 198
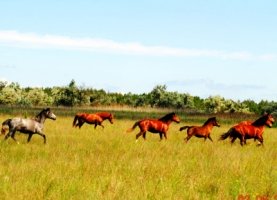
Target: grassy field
pixel 108 164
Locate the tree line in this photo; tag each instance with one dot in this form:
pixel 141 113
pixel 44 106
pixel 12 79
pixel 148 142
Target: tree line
pixel 73 95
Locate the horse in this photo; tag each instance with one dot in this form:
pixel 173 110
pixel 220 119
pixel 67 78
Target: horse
pixel 96 119
pixel 203 131
pixel 160 125
pixel 249 130
pixel 27 126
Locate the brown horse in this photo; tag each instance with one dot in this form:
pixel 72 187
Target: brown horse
pixel 96 119
pixel 249 130
pixel 203 131
pixel 160 126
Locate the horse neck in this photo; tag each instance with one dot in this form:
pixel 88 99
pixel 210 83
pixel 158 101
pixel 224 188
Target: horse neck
pixel 103 116
pixel 168 122
pixel 208 126
pixel 259 122
pixel 40 118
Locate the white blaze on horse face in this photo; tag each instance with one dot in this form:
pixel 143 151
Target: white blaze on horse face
pixel 270 121
pixel 52 116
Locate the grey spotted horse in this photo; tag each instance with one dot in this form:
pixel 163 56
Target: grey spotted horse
pixel 28 126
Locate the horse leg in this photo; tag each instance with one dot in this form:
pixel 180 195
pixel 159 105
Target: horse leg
pixel 10 134
pixel 242 140
pixel 188 137
pixel 139 134
pixel 165 136
pixel 161 136
pixel 80 123
pixel 29 137
pixel 210 138
pixel 42 135
pixel 233 140
pixel 261 140
pixel 100 124
pixel 144 135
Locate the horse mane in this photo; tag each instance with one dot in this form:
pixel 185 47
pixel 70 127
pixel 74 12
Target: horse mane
pixel 105 115
pixel 261 120
pixel 209 120
pixel 167 117
pixel 38 116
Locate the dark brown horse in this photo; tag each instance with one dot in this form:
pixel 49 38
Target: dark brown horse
pixel 249 130
pixel 28 126
pixel 203 131
pixel 160 126
pixel 96 119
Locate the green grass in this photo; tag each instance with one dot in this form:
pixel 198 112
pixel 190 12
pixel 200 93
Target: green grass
pixel 108 164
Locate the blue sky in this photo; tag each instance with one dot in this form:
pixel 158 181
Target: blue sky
pixel 204 48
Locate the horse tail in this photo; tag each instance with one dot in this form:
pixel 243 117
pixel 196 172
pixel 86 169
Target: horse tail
pixel 4 126
pixel 184 127
pixel 134 126
pixel 226 135
pixel 74 124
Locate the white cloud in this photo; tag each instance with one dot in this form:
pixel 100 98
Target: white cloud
pixel 32 40
pixel 267 57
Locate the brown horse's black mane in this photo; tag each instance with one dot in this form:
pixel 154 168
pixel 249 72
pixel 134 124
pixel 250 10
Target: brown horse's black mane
pixel 261 120
pixel 209 120
pixel 167 117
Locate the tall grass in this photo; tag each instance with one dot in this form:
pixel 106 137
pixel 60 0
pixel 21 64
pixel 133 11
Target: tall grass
pixel 107 163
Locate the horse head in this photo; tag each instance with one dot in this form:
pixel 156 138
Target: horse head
pixel 269 120
pixel 215 122
pixel 49 114
pixel 175 118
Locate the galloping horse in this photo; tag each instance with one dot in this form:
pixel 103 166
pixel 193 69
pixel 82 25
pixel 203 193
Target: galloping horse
pixel 203 131
pixel 247 130
pixel 155 125
pixel 95 119
pixel 28 126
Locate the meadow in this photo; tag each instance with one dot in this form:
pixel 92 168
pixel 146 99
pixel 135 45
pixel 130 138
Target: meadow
pixel 107 163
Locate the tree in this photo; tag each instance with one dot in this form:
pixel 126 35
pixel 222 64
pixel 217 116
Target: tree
pixel 3 84
pixel 157 95
pixel 252 106
pixel 214 104
pixel 9 96
pixel 69 95
pixel 38 97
